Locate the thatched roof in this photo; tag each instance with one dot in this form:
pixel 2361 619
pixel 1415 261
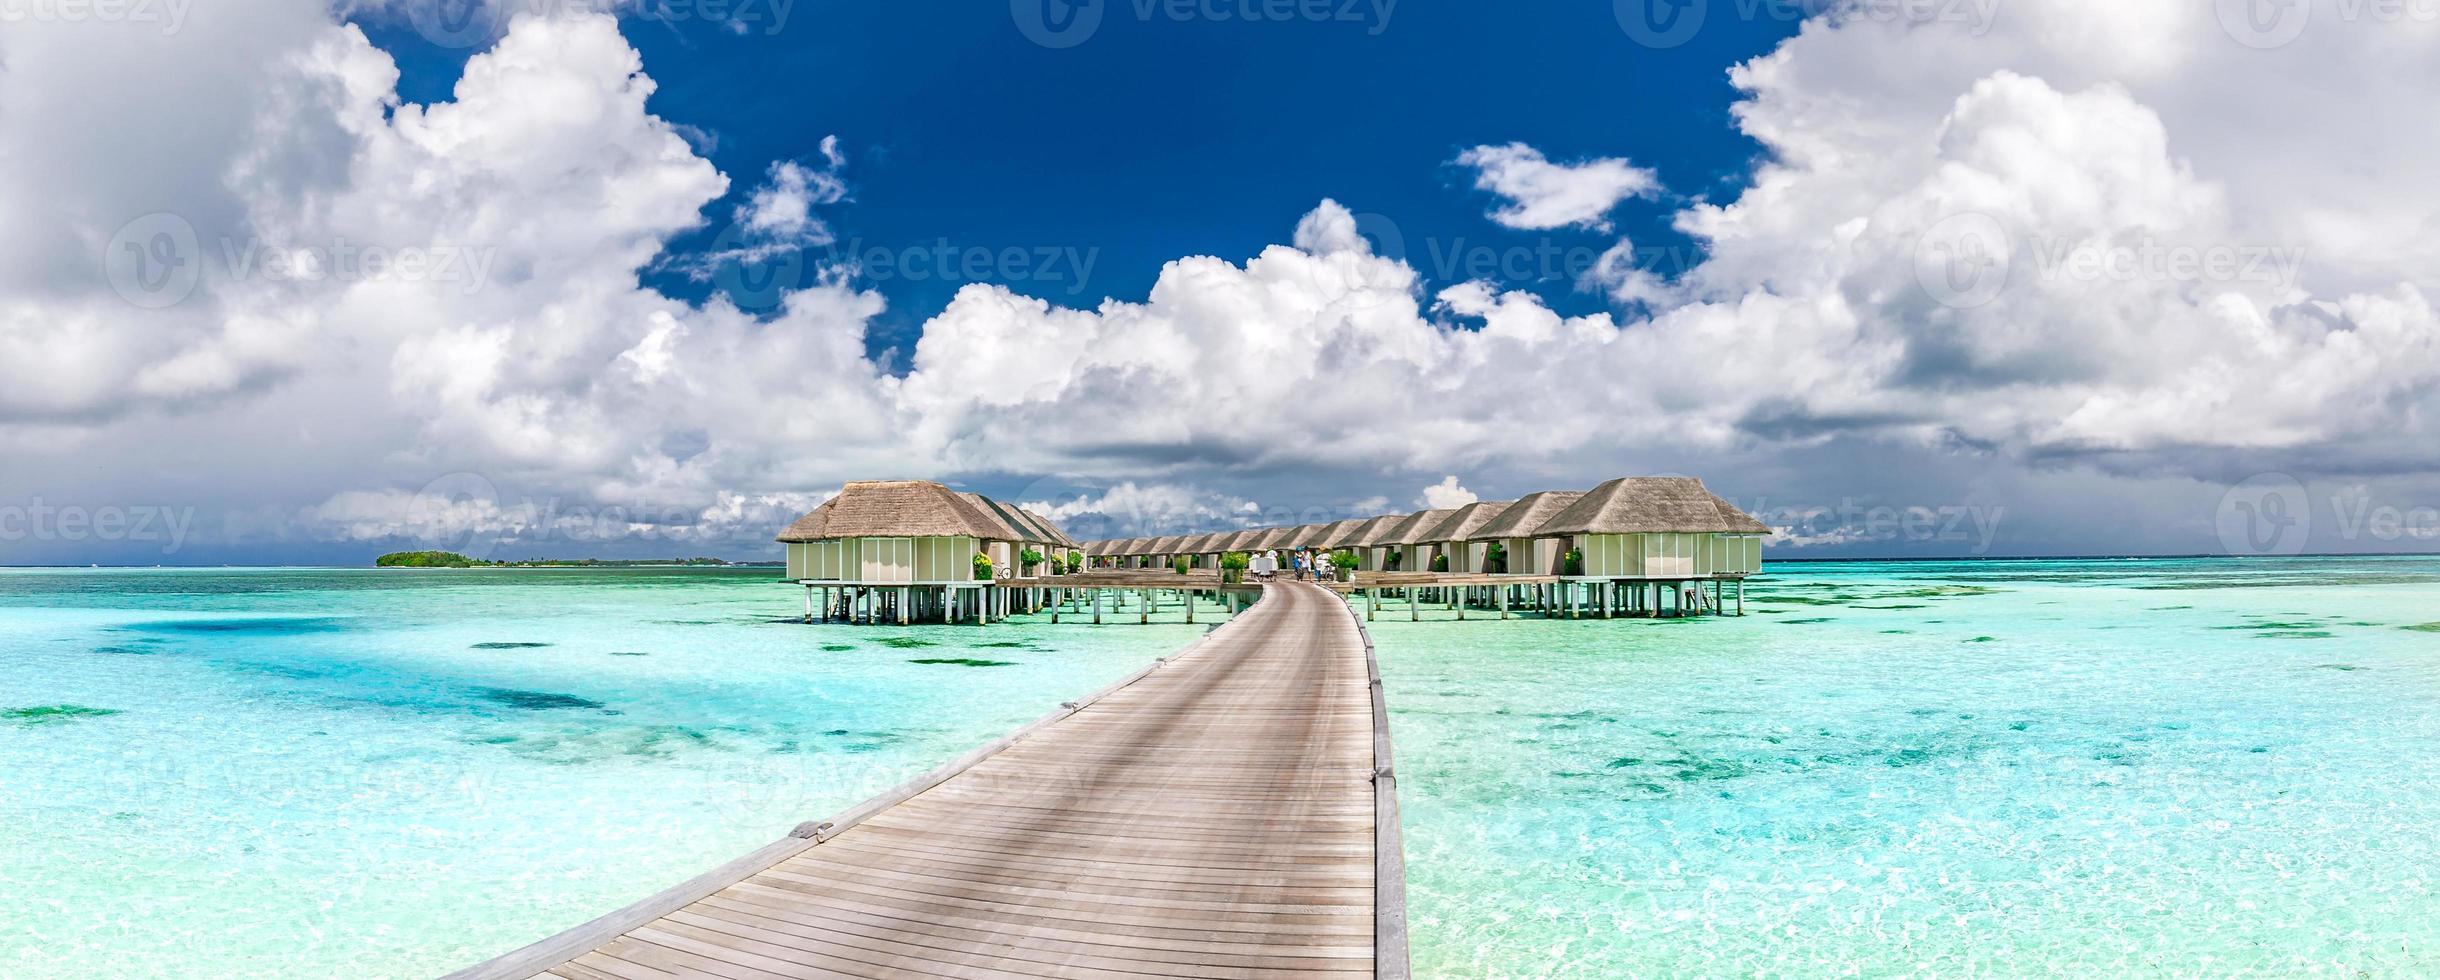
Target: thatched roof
pixel 1286 537
pixel 1058 536
pixel 1464 521
pixel 1170 545
pixel 1357 534
pixel 1272 539
pixel 1414 528
pixel 1738 521
pixel 1201 544
pixel 1321 537
pixel 1243 540
pixel 1650 505
pixel 1010 529
pixel 1376 532
pixel 895 509
pixel 1524 518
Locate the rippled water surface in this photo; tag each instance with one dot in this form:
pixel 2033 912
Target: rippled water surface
pixel 2011 768
pixel 397 773
pixel 2199 768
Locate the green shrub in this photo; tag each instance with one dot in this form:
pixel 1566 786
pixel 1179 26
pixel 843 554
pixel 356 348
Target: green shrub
pixel 1495 557
pixel 1076 560
pixel 1029 558
pixel 982 567
pixel 1058 567
pixel 1344 560
pixel 1440 562
pixel 1180 563
pixel 1236 561
pixel 1572 563
pixel 1395 558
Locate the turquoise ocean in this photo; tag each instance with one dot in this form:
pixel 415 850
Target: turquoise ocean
pixel 2156 767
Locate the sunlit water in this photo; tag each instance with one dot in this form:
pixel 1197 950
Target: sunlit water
pixel 2089 768
pixel 397 773
pixel 2198 768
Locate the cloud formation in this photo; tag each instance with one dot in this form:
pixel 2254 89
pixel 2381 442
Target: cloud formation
pixel 2050 255
pixel 1542 195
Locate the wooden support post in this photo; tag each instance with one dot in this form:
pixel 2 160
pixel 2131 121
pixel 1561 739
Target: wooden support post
pixel 1190 607
pixel 1740 597
pixel 1096 607
pixel 1372 605
pixel 1143 611
pixel 1503 596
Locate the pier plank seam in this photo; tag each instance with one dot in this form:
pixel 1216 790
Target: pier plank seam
pixel 1219 813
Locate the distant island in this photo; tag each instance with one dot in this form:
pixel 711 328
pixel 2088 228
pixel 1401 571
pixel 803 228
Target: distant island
pixel 451 559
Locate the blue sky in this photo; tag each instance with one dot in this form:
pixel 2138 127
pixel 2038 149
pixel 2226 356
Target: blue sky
pixel 570 277
pixel 1158 136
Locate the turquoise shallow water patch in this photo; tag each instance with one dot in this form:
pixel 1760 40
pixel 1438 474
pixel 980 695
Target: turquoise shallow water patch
pixel 2108 787
pixel 317 773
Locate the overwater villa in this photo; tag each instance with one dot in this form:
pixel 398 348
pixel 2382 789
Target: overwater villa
pixel 913 549
pixel 1407 545
pixel 1454 546
pixel 1513 543
pixel 908 550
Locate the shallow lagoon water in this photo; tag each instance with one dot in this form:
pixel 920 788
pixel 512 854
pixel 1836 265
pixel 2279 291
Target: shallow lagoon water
pixel 315 773
pixel 2159 768
pixel 2197 768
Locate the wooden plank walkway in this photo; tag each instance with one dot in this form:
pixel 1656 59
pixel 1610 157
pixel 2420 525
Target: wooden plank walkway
pixel 1215 815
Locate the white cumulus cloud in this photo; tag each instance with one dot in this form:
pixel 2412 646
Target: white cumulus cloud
pixel 1543 195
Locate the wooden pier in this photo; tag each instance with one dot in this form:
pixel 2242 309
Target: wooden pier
pixel 1228 812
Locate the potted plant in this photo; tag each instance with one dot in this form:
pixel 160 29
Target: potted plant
pixel 1440 562
pixel 1076 560
pixel 982 568
pixel 1495 557
pixel 1233 566
pixel 1029 558
pixel 1395 558
pixel 1572 563
pixel 1345 562
pixel 1058 566
pixel 1180 563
